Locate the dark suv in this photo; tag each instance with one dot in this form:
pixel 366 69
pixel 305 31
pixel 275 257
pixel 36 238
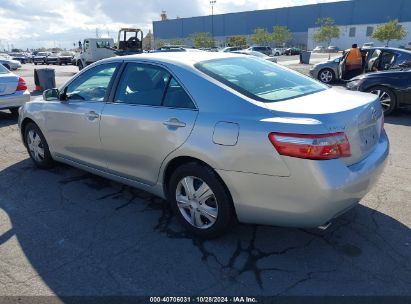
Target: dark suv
pixel 262 49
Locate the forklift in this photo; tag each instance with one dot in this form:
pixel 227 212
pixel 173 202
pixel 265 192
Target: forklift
pixel 130 41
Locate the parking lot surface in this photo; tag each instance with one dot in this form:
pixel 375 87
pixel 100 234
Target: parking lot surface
pixel 66 232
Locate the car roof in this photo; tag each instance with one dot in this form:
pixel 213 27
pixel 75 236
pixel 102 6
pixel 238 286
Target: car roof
pixel 176 58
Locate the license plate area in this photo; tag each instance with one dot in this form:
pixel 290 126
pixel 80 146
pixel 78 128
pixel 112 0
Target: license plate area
pixel 369 138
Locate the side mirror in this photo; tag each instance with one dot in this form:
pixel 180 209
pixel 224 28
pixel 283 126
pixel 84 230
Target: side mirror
pixel 51 95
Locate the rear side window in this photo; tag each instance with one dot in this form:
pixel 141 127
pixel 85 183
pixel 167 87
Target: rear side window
pixel 3 70
pixel 260 79
pixel 144 84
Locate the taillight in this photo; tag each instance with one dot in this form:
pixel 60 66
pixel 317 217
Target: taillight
pixel 316 147
pixel 21 86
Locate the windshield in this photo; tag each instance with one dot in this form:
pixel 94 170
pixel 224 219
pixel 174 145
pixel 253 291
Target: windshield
pixel 260 79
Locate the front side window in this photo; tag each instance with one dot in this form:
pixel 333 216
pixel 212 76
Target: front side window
pixel 143 84
pixel 92 85
pixel 260 79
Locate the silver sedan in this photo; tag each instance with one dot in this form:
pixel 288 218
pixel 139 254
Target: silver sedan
pixel 13 91
pixel 326 72
pixel 220 136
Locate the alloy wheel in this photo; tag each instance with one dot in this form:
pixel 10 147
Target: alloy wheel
pixel 326 76
pixel 385 98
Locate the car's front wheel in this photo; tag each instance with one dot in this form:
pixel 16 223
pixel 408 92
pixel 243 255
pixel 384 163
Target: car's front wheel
pixel 387 98
pixel 200 200
pixel 326 76
pixel 37 146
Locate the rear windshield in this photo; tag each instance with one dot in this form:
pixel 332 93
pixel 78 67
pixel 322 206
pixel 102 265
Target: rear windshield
pixel 260 79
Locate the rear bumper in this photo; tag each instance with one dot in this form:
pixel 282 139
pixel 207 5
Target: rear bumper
pixel 315 193
pixel 15 100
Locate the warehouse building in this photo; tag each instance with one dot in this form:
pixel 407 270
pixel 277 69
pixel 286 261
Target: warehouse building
pixel 357 20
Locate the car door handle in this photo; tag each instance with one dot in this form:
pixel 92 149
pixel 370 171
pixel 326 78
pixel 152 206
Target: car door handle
pixel 92 115
pixel 174 123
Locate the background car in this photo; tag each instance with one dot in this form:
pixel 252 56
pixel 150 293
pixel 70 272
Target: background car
pixel 226 137
pixel 65 57
pixel 278 51
pixel 332 49
pixel 392 87
pixel 9 63
pixel 257 54
pixel 327 71
pixel 40 58
pixel 292 51
pixel 231 49
pixel 13 91
pixel 52 58
pixel 19 57
pixel 319 49
pixel 375 59
pixel 262 49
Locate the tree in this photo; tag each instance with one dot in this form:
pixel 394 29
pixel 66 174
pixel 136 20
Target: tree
pixel 159 43
pixel 177 41
pixel 281 34
pixel 261 36
pixel 240 41
pixel 327 31
pixel 202 40
pixel 391 30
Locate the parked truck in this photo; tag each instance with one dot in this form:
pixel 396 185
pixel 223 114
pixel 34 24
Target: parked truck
pixel 130 41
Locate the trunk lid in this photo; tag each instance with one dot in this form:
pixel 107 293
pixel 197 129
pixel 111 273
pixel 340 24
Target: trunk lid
pixel 359 115
pixel 8 84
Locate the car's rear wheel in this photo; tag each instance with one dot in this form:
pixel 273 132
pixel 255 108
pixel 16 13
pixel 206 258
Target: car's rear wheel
pixel 326 76
pixel 387 98
pixel 200 200
pixel 37 146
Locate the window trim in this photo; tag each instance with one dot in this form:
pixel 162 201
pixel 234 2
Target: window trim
pixel 113 92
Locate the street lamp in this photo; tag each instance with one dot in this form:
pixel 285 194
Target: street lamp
pixel 212 2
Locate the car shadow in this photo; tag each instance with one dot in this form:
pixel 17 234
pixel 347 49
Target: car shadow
pixel 7 119
pixel 80 234
pixel 400 117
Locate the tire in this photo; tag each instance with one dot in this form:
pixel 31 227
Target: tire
pixel 80 65
pixel 387 97
pixel 37 146
pixel 204 216
pixel 326 76
pixel 35 63
pixel 14 111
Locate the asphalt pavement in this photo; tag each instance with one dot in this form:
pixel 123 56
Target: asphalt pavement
pixel 66 232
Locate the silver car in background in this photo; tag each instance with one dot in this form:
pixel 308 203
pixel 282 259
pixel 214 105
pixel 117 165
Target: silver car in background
pixel 220 136
pixel 326 72
pixel 8 62
pixel 13 91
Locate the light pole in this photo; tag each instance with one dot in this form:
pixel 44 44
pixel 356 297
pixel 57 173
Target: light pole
pixel 212 2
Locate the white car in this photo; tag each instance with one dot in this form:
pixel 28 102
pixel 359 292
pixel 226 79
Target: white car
pixel 278 51
pixel 13 91
pixel 9 63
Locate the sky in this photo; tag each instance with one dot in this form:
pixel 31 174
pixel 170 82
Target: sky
pixel 60 23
